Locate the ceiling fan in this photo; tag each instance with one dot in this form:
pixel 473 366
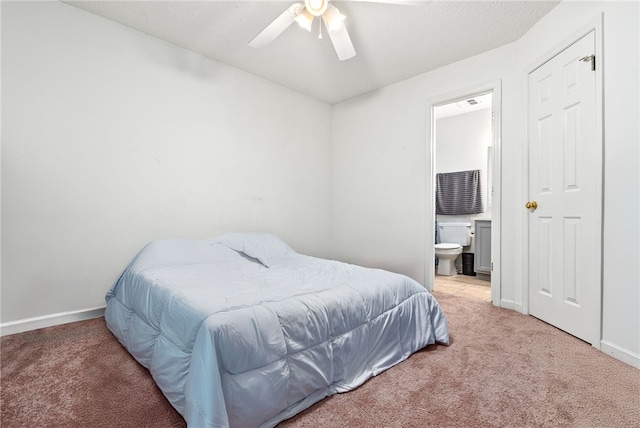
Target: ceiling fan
pixel 304 14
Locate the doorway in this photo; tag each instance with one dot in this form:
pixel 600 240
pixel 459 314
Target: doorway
pixel 468 100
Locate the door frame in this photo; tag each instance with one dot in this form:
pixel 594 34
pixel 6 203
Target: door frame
pixel 494 87
pixel 596 25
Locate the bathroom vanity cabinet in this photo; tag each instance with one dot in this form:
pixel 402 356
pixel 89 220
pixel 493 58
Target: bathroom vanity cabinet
pixel 482 259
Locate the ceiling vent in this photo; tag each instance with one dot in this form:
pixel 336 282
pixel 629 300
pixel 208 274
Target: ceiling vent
pixel 471 102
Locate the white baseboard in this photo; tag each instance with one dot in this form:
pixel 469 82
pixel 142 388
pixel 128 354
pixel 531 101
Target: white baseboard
pixel 507 304
pixel 29 324
pixel 519 308
pixel 621 354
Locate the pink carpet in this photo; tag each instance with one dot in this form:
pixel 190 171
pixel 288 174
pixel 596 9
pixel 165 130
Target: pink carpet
pixel 503 369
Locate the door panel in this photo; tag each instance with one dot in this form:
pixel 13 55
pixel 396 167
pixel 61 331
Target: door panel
pixel 565 164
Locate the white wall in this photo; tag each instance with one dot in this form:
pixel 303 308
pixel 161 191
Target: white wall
pixel 462 143
pixel 111 138
pixel 621 237
pixel 379 164
pixel 380 143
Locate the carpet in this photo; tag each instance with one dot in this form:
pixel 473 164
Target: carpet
pixel 502 369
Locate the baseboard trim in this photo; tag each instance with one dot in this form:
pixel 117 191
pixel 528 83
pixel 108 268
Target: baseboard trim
pixel 507 304
pixel 621 354
pixel 28 324
pixel 519 308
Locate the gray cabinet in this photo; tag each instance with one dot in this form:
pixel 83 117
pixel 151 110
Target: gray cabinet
pixel 482 259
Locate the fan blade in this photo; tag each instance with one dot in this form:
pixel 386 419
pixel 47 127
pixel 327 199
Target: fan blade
pixel 278 25
pixel 341 40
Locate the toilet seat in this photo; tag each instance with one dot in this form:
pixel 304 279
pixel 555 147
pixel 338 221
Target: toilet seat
pixel 446 246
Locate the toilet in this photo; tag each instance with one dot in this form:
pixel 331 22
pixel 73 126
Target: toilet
pixel 453 236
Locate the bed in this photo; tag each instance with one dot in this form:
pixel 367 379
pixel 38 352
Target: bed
pixel 240 330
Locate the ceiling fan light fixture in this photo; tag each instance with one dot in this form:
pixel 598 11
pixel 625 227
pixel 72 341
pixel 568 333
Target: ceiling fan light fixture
pixel 333 19
pixel 305 19
pixel 316 7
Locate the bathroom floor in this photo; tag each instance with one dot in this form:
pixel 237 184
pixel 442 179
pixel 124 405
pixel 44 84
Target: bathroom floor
pixel 472 287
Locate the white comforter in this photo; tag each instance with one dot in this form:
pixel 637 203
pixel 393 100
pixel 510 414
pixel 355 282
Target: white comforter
pixel 242 331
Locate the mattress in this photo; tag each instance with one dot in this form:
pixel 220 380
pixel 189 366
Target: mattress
pixel 242 331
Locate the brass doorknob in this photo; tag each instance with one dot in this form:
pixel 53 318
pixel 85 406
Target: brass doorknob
pixel 531 205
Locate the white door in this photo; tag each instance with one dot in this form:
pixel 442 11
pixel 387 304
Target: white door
pixel 565 167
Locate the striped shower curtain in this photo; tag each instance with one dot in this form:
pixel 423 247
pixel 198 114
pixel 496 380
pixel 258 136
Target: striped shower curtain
pixel 458 193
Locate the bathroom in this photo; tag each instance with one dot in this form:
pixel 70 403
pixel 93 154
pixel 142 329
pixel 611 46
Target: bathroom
pixel 463 164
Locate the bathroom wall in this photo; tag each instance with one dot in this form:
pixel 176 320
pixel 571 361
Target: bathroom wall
pixel 462 143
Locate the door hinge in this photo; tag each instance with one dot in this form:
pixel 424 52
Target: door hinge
pixel 491 266
pixel 591 58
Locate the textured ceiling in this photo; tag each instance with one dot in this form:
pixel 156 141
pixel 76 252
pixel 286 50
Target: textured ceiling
pixel 392 42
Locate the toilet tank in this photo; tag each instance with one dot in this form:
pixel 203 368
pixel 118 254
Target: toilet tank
pixel 455 233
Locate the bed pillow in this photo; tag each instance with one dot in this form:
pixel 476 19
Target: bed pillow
pixel 266 247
